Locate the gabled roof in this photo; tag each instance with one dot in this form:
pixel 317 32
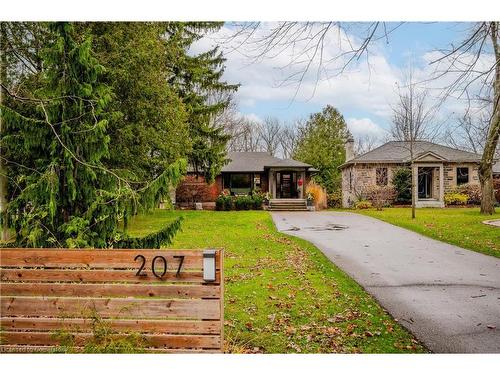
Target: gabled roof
pixel 257 161
pixel 399 152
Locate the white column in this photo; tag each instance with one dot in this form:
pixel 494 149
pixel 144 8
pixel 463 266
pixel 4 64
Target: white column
pixel 303 187
pixel 441 184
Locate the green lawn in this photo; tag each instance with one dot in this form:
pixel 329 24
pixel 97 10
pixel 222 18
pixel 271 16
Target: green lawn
pixel 458 226
pixel 282 295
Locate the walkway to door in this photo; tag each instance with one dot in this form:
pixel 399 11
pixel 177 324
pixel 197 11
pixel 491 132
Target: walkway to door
pixel 448 297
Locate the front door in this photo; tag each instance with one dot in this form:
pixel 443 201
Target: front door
pixel 286 185
pixel 425 183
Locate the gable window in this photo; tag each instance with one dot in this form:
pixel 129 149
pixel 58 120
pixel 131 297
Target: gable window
pixel 462 175
pixel 381 176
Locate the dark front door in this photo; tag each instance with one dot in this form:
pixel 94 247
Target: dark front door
pixel 286 185
pixel 425 183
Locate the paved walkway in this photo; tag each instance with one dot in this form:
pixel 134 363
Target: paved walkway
pixel 447 296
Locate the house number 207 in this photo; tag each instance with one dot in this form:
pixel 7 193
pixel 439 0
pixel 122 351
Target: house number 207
pixel 158 262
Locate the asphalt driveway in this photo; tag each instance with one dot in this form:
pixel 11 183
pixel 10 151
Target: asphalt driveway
pixel 448 297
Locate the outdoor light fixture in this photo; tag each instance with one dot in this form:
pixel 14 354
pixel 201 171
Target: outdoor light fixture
pixel 209 265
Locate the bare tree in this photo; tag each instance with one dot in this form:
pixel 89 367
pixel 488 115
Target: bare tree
pixel 467 62
pixel 412 121
pixel 366 143
pixel 289 138
pixel 469 133
pixel 270 133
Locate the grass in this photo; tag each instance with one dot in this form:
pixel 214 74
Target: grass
pixel 282 294
pixel 458 226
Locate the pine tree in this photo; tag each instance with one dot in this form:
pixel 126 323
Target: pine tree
pixel 63 192
pixel 198 81
pixel 322 145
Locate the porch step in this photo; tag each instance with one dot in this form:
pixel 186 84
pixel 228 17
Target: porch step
pixel 287 205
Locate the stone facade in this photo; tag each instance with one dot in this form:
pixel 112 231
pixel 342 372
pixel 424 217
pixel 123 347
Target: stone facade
pixel 356 178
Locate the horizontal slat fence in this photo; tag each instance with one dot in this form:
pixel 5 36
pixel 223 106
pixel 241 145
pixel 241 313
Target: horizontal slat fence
pixel 45 293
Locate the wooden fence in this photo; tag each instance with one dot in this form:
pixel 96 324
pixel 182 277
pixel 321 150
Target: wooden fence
pixel 171 299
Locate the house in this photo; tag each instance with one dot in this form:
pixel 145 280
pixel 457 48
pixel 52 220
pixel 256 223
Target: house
pixel 245 172
pixel 436 169
pixel 496 169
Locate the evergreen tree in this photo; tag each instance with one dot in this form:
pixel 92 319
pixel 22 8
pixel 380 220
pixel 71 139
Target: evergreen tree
pixel 63 194
pixel 198 81
pixel 321 144
pixel 149 124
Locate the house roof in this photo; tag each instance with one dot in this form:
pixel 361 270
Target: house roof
pixel 257 161
pixel 399 152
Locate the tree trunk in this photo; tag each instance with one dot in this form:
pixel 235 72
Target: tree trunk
pixel 414 178
pixel 4 231
pixel 486 165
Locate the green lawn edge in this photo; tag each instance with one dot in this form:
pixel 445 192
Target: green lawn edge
pixel 461 227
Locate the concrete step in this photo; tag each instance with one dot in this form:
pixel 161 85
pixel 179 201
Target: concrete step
pixel 287 205
pixel 287 209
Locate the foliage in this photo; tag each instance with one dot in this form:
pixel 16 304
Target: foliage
pixel 454 198
pixel 496 188
pixel 197 79
pixel 317 193
pixel 191 192
pixel 321 144
pixel 401 180
pixel 149 121
pixel 243 202
pixel 257 201
pixel 473 192
pixel 104 339
pixel 363 205
pixel 63 192
pixel 226 202
pixel 458 225
pixel 153 240
pixel 282 295
pixel 380 196
pixel 335 199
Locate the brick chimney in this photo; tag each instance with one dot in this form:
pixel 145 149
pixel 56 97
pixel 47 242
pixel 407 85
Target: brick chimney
pixel 349 148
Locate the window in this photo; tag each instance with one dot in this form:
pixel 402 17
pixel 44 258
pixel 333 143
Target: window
pixel 238 183
pixel 462 175
pixel 241 181
pixel 381 176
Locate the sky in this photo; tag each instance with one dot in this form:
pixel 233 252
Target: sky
pixel 364 93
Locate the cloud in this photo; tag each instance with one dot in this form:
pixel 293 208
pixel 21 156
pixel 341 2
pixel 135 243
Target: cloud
pixel 252 117
pixel 367 88
pixel 365 127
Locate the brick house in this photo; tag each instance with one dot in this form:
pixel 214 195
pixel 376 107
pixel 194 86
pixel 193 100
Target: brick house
pixel 436 169
pixel 284 179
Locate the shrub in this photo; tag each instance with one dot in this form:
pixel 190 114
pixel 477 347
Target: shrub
pixel 223 203
pixel 362 205
pixel 473 192
pixel 334 199
pixel 380 196
pixel 317 193
pixel 243 202
pixel 454 198
pixel 192 190
pixel 496 188
pixel 257 201
pixel 401 180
